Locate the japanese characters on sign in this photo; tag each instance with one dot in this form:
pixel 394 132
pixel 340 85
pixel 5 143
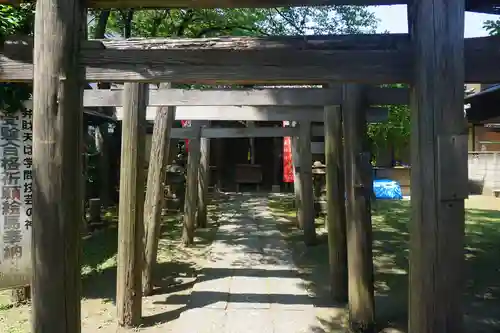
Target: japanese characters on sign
pixel 16 152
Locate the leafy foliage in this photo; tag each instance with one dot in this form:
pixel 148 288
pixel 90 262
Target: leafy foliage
pixel 394 133
pixel 243 22
pixel 15 20
pixel 493 27
pixel 319 20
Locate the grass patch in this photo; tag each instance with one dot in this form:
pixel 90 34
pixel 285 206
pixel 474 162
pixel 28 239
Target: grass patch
pixel 99 255
pixel 390 220
pixel 285 207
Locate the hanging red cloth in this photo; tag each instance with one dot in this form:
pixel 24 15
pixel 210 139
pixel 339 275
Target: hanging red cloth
pixel 288 174
pixel 186 123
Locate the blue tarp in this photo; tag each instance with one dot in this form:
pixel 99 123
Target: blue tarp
pixel 387 189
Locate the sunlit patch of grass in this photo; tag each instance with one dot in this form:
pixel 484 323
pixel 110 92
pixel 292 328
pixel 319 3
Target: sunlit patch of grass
pixel 99 250
pixel 390 224
pixel 284 206
pixel 99 255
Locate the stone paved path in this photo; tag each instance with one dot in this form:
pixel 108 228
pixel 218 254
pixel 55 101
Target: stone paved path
pixel 250 283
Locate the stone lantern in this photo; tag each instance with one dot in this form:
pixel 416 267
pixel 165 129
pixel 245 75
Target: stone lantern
pixel 319 187
pixel 175 187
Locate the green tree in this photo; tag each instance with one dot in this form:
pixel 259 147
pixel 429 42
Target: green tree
pixel 393 134
pixel 319 20
pixel 492 27
pixel 242 22
pixel 15 21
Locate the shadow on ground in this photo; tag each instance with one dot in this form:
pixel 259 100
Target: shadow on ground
pixel 251 268
pixel 390 250
pixel 175 272
pixel 99 260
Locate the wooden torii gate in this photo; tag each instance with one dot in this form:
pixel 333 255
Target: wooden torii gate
pixel 433 58
pixel 304 105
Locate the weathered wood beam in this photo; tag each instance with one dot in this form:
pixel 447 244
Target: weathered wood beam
pixel 131 208
pixel 318 130
pixel 439 174
pixel 57 169
pixel 359 228
pixel 257 132
pixel 247 97
pixel 306 213
pixel 154 200
pixel 278 148
pixel 203 181
pixel 255 113
pixel 191 194
pixel 251 141
pixel 249 113
pixel 244 132
pixel 297 190
pixel 353 58
pixel 335 200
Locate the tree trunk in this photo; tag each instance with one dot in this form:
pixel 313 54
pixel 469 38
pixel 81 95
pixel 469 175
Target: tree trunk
pixel 336 218
pixel 127 22
pixel 102 22
pixel 57 166
pixel 131 206
pixel 160 149
pixel 191 195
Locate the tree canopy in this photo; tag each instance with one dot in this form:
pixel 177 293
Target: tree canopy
pixel 394 134
pixel 195 23
pixel 238 22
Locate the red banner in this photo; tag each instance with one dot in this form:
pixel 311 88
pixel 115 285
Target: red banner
pixel 288 174
pixel 186 123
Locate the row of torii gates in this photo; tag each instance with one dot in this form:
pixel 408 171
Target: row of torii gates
pixel 433 58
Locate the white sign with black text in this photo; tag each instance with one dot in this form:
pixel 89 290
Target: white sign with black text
pixel 16 153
